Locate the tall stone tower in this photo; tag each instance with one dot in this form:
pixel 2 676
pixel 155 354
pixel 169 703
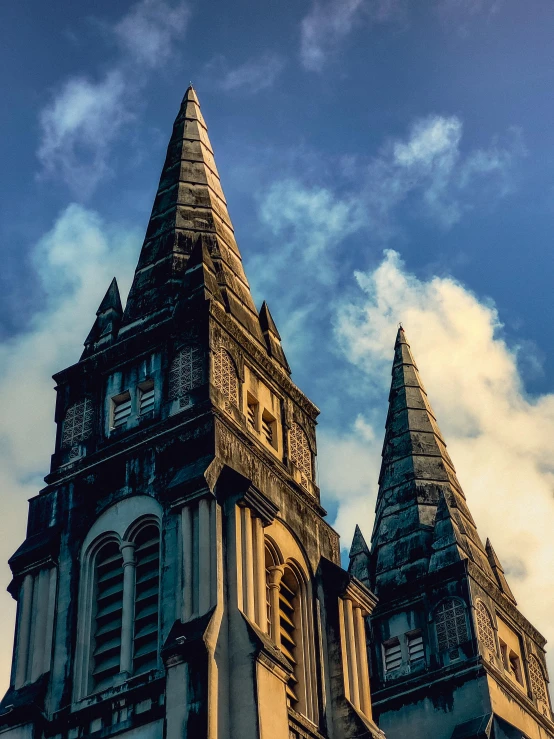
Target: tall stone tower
pixel 178 578
pixel 453 657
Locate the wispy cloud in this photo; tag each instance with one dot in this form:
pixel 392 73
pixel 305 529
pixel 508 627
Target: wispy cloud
pixel 324 28
pixel 329 23
pixel 258 73
pixel 425 174
pixel 501 441
pixel 148 32
pixel 86 115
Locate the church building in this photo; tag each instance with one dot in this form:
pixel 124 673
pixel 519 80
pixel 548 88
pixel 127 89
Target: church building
pixel 179 580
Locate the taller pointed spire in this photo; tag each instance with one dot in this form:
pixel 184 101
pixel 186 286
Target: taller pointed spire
pixel 189 206
pixel 416 475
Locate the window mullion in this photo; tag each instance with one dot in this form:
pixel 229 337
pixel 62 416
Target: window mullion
pixel 128 611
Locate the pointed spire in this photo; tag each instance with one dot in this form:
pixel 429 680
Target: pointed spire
pixel 499 572
pixel 359 558
pixel 417 477
pixel 189 205
pixel 272 337
pixel 108 320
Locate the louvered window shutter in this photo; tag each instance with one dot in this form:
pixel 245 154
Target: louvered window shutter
pixel 147 598
pixel 107 622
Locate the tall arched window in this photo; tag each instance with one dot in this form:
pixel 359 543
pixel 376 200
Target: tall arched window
pixel 225 376
pixel 300 452
pixel 108 606
pixel 484 627
pixel 147 596
pixel 538 685
pixel 290 625
pixel 290 640
pixel 451 626
pixel 186 373
pixel 77 424
pixel 119 596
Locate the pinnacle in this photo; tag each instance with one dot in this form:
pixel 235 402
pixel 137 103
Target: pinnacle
pixel 422 516
pixel 111 300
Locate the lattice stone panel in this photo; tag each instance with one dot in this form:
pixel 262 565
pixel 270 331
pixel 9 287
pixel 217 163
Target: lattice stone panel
pixel 186 372
pixel 484 627
pixel 538 686
pixel 225 376
pixel 300 452
pixel 451 625
pixel 77 425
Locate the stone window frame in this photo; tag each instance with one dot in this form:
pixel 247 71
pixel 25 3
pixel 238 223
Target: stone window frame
pixel 71 437
pixel 486 630
pixel 121 523
pixel 537 683
pixel 178 384
pixel 452 650
pixel 304 463
pixel 232 396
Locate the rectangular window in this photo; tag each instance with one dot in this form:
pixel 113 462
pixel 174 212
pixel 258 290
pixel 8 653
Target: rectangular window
pixel 416 652
pixel 269 428
pixel 121 409
pixel 392 654
pixel 146 390
pixel 252 407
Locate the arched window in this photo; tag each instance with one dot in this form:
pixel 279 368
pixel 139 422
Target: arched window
pixel 484 627
pixel 108 607
pixel 186 372
pixel 300 452
pixel 119 596
pixel 147 596
pixel 538 684
pixel 77 424
pixel 451 626
pixel 225 376
pixel 290 641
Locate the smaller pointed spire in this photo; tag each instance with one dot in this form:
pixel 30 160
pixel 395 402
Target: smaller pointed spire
pixel 498 571
pixel 108 320
pixel 359 557
pixel 272 337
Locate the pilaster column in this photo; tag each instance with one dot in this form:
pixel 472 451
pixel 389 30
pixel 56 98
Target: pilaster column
pixel 259 573
pixel 40 613
pixel 186 536
pixel 275 576
pixel 204 559
pixel 363 667
pixel 128 609
pixel 248 562
pixel 352 656
pixel 24 631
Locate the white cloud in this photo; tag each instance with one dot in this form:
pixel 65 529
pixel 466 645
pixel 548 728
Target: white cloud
pixel 78 128
pixel 86 116
pixel 310 222
pixel 254 75
pixel 75 263
pixel 501 440
pixel 149 29
pixel 325 26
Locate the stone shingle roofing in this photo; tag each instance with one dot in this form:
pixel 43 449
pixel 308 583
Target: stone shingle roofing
pixel 422 519
pixel 189 207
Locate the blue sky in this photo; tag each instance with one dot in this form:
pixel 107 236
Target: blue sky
pixel 383 160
